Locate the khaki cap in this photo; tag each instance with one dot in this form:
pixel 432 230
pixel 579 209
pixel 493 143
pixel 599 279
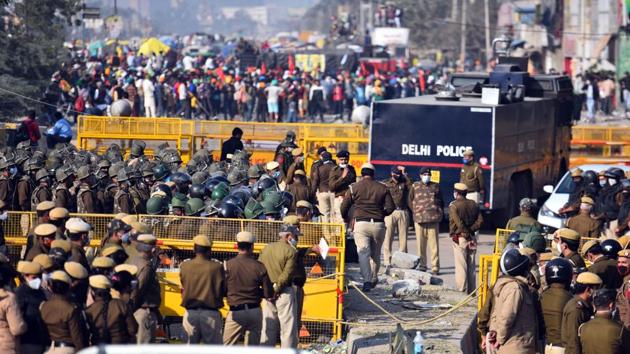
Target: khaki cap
pixel 26 267
pixel 77 225
pixel 296 152
pixel 304 204
pixel 624 253
pixel 527 251
pixel 75 270
pixel 469 152
pixel 141 227
pixel 45 205
pixel 63 244
pixel 202 240
pixel 103 262
pixel 587 246
pixel 547 256
pixel 58 213
pixel 129 219
pixel 120 216
pixel 460 187
pixel 367 166
pixel 577 172
pixel 568 234
pixel 44 260
pixel 100 282
pixel 148 239
pixel 43 230
pixel 299 173
pixel 111 249
pixel 60 275
pixel 624 241
pixel 291 220
pixel 588 278
pixel 132 269
pixel 272 165
pixel 245 236
pixel 587 200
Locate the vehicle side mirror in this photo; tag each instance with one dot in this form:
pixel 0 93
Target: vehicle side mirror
pixel 548 189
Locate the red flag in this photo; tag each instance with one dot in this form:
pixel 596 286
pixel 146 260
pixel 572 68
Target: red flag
pixel 376 74
pixel 221 74
pixel 291 64
pixel 263 68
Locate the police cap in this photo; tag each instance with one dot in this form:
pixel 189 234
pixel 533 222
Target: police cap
pixel 45 206
pixel 77 226
pixel 202 240
pixel 60 275
pixel 43 230
pixel 587 247
pixel 568 234
pixel 30 268
pixel 75 270
pixel 100 282
pixel 58 213
pixel 103 262
pixel 588 278
pixel 44 260
pixel 132 269
pixel 460 187
pixel 63 244
pixel 245 236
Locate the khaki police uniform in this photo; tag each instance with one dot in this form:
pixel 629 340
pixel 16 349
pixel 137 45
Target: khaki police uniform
pixel 119 320
pixel 427 207
pixel 398 220
pixel 606 268
pixel 464 221
pixel 602 335
pixel 472 176
pixel 575 313
pixel 123 202
pixel 325 197
pixel 372 203
pixel 552 301
pixel 203 283
pixel 86 200
pixel 247 284
pixel 339 185
pixel 585 225
pixel 623 295
pixel 279 259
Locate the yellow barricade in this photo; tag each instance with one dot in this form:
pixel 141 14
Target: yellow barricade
pixel 500 239
pixel 323 302
pixel 599 144
pixel 488 274
pixel 260 139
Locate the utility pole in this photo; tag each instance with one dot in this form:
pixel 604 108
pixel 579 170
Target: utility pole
pixel 115 7
pixel 582 33
pixel 462 54
pixel 454 14
pixel 487 25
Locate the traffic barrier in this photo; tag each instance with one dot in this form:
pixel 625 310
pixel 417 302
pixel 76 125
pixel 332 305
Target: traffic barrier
pixel 488 274
pixel 500 239
pixel 324 289
pixel 188 136
pixel 599 144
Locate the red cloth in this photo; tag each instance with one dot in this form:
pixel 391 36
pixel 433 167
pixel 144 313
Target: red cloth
pixel 338 93
pixel 33 129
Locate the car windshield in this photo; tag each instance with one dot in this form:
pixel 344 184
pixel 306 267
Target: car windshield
pixel 566 185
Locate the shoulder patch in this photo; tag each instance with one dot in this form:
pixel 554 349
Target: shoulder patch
pixel 579 305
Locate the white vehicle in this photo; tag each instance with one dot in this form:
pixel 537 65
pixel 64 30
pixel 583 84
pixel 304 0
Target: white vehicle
pixel 548 214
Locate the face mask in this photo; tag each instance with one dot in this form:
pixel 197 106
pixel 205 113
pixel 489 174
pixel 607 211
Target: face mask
pixel 276 174
pixel 35 283
pixel 612 182
pixel 46 277
pixel 559 248
pixel 602 182
pixel 125 237
pixel 13 171
pixel 464 161
pixel 293 242
pixel 4 216
pixel 343 165
pixel 454 195
pixel 425 179
pixel 623 270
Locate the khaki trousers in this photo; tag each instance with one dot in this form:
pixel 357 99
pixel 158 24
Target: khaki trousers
pixel 336 214
pixel 325 204
pixel 280 316
pixel 299 304
pixel 369 237
pixel 203 326
pixel 550 349
pixel 60 350
pixel 395 222
pixel 427 234
pixel 246 324
pixel 474 196
pixel 147 324
pixel 464 266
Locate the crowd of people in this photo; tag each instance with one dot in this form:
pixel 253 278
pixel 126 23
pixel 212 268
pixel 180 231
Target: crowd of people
pixel 596 92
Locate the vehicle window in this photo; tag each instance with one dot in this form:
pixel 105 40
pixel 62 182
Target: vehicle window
pixel 566 185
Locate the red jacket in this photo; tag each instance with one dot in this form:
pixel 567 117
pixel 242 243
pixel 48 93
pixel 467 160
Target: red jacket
pixel 33 130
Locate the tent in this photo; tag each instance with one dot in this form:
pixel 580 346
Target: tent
pixel 153 45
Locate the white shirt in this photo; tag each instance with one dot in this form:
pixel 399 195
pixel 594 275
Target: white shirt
pixel 273 92
pixel 148 88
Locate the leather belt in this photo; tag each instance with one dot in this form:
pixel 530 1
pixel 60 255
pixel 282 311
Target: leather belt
pixel 244 307
pixel 368 220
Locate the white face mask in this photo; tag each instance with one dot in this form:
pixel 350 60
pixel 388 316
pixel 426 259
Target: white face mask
pixel 612 181
pixel 343 165
pixel 35 283
pixel 559 247
pixel 454 195
pixel 4 216
pixel 425 179
pixel 602 182
pixel 293 242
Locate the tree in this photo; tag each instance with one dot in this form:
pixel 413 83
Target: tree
pixel 31 49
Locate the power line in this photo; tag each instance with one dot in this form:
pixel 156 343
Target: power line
pixel 35 100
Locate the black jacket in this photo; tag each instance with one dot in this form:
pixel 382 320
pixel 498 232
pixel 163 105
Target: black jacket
pixel 229 146
pixel 29 300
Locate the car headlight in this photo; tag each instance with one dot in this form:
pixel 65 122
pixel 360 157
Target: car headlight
pixel 545 211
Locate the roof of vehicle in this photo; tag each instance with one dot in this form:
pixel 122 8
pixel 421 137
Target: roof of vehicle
pixel 430 100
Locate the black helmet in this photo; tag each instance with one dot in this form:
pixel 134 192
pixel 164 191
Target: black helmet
pixel 589 177
pixel 514 238
pixel 232 199
pixel 514 263
pixel 559 270
pixel 265 183
pixel 160 172
pixel 243 194
pixel 230 211
pixel 182 181
pixel 166 189
pixel 615 173
pixel 287 199
pixel 610 247
pixel 197 191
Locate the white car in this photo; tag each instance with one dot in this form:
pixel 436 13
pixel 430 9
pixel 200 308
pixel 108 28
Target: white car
pixel 548 214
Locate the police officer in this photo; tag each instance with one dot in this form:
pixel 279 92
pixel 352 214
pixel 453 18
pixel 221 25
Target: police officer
pixel 58 217
pixel 583 223
pixel 111 320
pixel 428 209
pixel 62 195
pixel 279 312
pixel 339 180
pixel 399 186
pixel 321 188
pixel 464 222
pixel 78 282
pixel 86 197
pixel 372 203
pixel 623 295
pixel 45 234
pixel 146 296
pixel 78 234
pixel 299 189
pixel 602 265
pixel 578 189
pixel 203 283
pixel 42 192
pixel 558 276
pixel 524 222
pixel 66 326
pixel 8 171
pixel 472 176
pixel 29 296
pixel 24 188
pixel 602 334
pixel 567 244
pixel 296 164
pixel 578 310
pixel 122 199
pixel 247 284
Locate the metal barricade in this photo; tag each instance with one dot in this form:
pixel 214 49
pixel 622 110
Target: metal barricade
pixel 323 303
pixel 599 144
pixel 500 239
pixel 488 274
